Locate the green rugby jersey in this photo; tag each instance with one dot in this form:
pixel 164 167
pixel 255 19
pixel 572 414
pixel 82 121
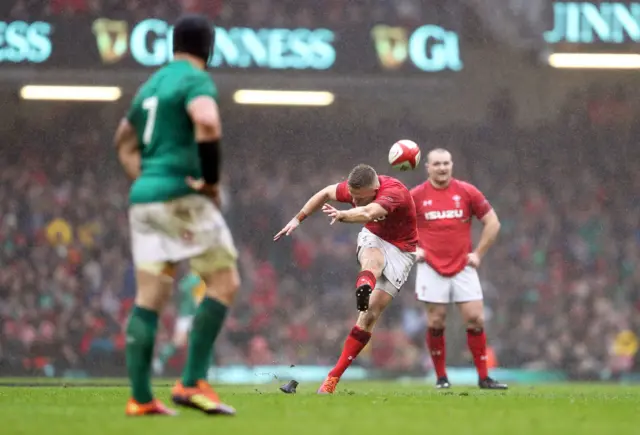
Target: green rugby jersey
pixel 165 131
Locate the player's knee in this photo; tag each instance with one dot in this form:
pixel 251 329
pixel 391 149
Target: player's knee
pixel 436 322
pixel 368 319
pixel 154 282
pixel 225 293
pixel 233 286
pixel 377 304
pixel 223 285
pixel 436 316
pixel 373 267
pixel 372 261
pixel 473 314
pixel 475 321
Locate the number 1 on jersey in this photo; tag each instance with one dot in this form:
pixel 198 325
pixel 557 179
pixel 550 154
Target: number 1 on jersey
pixel 151 106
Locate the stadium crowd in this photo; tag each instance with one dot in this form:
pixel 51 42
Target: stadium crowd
pixel 561 284
pixel 303 13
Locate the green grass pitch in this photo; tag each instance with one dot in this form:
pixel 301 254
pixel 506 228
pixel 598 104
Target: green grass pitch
pixel 358 408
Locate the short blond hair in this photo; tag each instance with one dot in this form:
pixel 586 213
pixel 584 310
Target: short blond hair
pixel 362 176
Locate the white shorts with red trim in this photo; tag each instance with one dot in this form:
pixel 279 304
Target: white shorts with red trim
pixel 435 288
pixel 397 263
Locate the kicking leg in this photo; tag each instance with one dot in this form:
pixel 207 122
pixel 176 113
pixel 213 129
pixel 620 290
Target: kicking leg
pixel 372 263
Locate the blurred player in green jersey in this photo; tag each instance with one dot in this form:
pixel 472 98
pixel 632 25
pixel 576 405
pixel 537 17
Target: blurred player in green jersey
pixel 169 144
pixel 191 289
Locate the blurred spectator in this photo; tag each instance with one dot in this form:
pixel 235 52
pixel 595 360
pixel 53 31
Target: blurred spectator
pixel 257 13
pixel 68 7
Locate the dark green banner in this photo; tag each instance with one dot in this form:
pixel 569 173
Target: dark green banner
pixel 105 43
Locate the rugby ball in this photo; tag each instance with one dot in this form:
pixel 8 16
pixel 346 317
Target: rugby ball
pixel 404 155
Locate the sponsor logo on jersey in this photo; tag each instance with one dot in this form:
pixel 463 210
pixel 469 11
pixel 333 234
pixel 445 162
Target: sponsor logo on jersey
pixel 444 214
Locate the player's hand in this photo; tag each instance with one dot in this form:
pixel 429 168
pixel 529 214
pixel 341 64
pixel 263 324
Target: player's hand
pixel 419 255
pixel 473 260
pixel 211 190
pixel 288 229
pixel 332 212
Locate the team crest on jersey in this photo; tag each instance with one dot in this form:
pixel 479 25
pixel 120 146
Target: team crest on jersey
pixel 456 199
pixel 427 203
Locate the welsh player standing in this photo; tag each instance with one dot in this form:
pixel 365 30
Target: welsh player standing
pixel 169 144
pixel 386 248
pixel 447 263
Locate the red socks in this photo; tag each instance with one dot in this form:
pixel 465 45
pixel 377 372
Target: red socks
pixel 355 342
pixel 366 277
pixel 437 347
pixel 477 341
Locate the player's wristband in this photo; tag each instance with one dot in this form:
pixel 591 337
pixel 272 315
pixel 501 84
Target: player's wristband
pixel 301 216
pixel 210 159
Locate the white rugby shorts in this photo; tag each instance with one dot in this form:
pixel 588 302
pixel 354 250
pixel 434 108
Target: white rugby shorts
pixel 435 288
pixel 397 263
pixel 187 228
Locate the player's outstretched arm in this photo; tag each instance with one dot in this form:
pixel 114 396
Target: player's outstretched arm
pixel 357 215
pixel 313 204
pixel 126 142
pixel 490 230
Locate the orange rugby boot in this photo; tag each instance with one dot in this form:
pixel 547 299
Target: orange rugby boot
pixel 201 397
pixel 155 407
pixel 329 385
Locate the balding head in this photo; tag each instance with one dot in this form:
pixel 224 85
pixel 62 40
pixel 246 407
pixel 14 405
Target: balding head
pixel 438 153
pixel 439 167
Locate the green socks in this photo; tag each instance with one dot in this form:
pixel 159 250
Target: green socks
pixel 141 336
pixel 206 326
